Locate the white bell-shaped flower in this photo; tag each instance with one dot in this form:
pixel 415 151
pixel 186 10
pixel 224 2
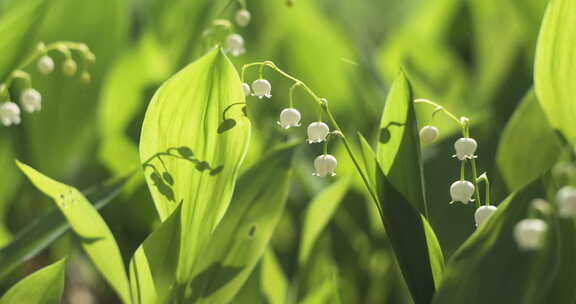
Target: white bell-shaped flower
pixel 9 113
pixel 235 44
pixel 69 67
pixel 31 100
pixel 261 88
pixel 566 200
pixel 317 132
pixel 428 134
pixel 482 214
pixel 325 165
pixel 465 148
pixel 243 17
pixel 45 65
pixel 462 191
pixel 246 89
pixel 289 118
pixel 530 234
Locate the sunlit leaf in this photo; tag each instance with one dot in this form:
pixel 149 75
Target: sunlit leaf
pixel 44 286
pixel 273 281
pixel 95 236
pixel 555 66
pixel 516 149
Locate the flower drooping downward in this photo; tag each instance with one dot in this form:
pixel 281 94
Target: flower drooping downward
pixel 566 200
pixel 9 113
pixel 482 214
pixel 246 89
pixel 31 100
pixel 465 148
pixel 462 191
pixel 530 233
pixel 235 44
pixel 261 88
pixel 289 118
pixel 325 165
pixel 317 132
pixel 428 134
pixel 243 17
pixel 45 65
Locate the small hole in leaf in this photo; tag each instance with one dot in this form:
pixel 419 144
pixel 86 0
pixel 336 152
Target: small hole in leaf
pixel 252 231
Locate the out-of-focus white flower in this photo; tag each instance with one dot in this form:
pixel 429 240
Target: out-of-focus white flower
pixel 69 67
pixel 428 134
pixel 246 89
pixel 261 88
pixel 566 200
pixel 235 44
pixel 530 234
pixel 243 17
pixel 45 65
pixel 317 132
pixel 482 214
pixel 289 118
pixel 465 148
pixel 9 113
pixel 462 191
pixel 325 165
pixel 31 100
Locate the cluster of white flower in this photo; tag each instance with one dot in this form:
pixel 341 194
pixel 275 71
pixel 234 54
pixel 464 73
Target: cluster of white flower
pixel 30 100
pixel 318 131
pixel 234 43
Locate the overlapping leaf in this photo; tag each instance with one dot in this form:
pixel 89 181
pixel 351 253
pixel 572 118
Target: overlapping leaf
pixel 44 286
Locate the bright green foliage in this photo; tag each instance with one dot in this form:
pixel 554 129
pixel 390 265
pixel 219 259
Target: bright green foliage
pixel 88 225
pixel 273 281
pixel 555 66
pixel 44 286
pixel 319 213
pixel 193 140
pixel 490 268
pixel 528 145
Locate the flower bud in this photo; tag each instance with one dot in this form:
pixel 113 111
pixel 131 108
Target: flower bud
pixel 9 113
pixel 45 65
pixel 428 134
pixel 325 165
pixel 482 214
pixel 69 67
pixel 462 191
pixel 261 88
pixel 465 148
pixel 317 132
pixel 246 89
pixel 243 17
pixel 31 100
pixel 85 77
pixel 566 200
pixel 289 118
pixel 235 44
pixel 530 234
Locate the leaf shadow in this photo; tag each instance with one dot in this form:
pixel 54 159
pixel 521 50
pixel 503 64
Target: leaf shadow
pixel 385 135
pixel 212 279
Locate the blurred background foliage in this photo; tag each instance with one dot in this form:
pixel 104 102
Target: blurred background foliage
pixel 475 57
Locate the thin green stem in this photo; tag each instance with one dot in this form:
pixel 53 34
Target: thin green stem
pixel 484 178
pixel 291 94
pixel 438 108
pixel 462 170
pixel 325 147
pixel 475 179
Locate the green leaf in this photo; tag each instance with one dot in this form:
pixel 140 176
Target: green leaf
pixel 490 268
pixel 273 281
pixel 528 125
pixel 18 28
pixel 43 232
pixel 243 234
pixel 44 286
pixel 555 66
pixel 398 150
pixel 95 236
pixel 319 212
pixel 187 111
pixel 562 290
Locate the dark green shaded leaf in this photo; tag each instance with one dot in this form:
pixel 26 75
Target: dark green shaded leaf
pixel 44 286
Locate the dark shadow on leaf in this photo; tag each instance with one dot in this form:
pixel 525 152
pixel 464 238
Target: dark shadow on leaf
pixel 201 166
pixel 211 279
pixel 226 125
pixel 385 132
pixel 90 240
pixel 162 187
pixel 168 178
pixel 185 152
pixel 216 170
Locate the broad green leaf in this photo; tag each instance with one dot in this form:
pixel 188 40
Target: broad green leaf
pixel 43 232
pixel 555 66
pixel 44 286
pixel 412 238
pixel 490 268
pixel 18 28
pixel 517 146
pixel 398 151
pixel 562 290
pixel 95 236
pixel 195 132
pixel 319 213
pixel 11 178
pixel 243 234
pixel 273 281
pixel 153 267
